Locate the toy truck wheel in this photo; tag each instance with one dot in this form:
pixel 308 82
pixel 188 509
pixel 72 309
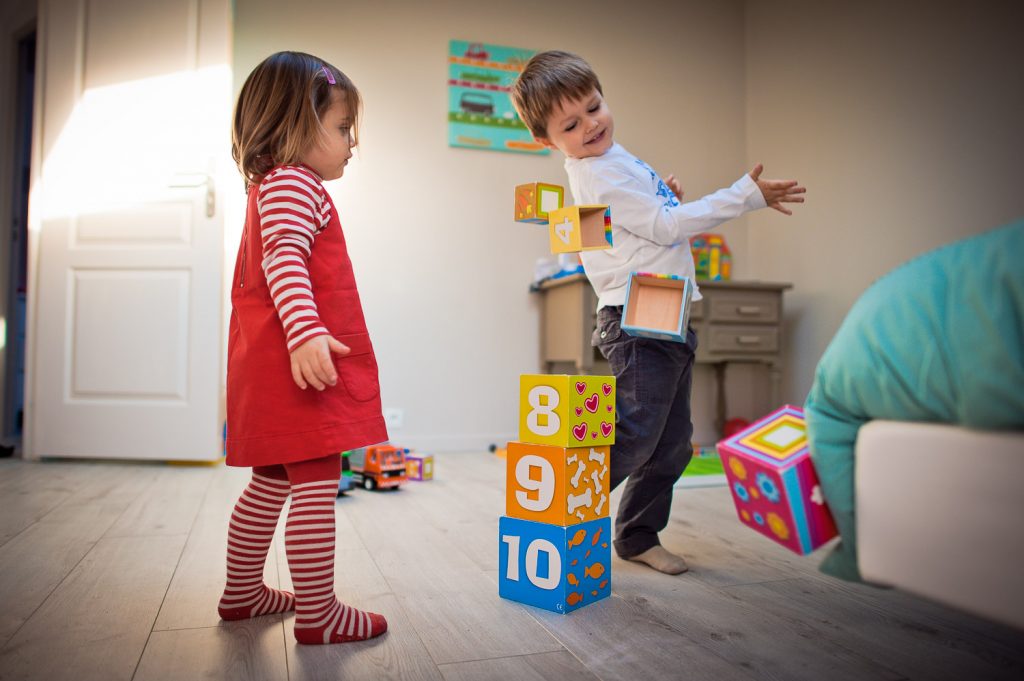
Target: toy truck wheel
pixel 369 483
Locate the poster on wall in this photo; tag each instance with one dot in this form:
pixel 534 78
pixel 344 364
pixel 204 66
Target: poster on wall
pixel 480 111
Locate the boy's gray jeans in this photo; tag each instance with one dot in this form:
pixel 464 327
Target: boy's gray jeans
pixel 652 426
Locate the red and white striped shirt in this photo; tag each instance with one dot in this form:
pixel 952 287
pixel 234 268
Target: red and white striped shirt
pixel 293 209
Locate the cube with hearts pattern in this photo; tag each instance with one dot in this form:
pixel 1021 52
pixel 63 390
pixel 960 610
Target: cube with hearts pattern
pixel 567 411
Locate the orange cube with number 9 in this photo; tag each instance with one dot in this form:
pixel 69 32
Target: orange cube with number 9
pixel 556 485
pixel 567 411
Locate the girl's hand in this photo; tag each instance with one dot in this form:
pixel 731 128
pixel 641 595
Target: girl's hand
pixel 674 185
pixel 312 363
pixel 777 192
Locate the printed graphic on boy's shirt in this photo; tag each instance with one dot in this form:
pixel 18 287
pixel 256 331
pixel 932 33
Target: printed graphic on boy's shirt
pixel 670 199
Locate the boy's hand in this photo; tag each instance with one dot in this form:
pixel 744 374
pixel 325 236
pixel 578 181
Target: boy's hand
pixel 674 185
pixel 777 192
pixel 312 363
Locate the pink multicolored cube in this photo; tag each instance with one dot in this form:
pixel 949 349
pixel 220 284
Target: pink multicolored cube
pixel 773 482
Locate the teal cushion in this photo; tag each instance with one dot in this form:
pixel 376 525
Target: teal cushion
pixel 939 339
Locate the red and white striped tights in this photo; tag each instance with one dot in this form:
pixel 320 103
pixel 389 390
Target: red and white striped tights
pixel 309 543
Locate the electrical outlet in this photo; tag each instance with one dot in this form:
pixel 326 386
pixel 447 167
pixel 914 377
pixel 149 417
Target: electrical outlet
pixel 393 417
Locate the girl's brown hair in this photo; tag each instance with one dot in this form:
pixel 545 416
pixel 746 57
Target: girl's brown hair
pixel 277 117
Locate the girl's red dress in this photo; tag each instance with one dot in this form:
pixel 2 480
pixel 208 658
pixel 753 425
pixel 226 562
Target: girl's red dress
pixel 270 420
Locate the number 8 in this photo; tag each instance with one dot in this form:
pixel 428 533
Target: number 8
pixel 552 423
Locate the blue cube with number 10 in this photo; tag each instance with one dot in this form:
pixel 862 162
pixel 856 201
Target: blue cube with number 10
pixel 553 567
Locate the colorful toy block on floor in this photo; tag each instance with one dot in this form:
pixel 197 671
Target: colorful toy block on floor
pixel 657 306
pixel 567 411
pixel 534 201
pixel 552 567
pixel 419 467
pixel 773 482
pixel 556 485
pixel 580 228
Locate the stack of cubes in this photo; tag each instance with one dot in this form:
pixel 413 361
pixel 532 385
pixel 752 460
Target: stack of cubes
pixel 555 539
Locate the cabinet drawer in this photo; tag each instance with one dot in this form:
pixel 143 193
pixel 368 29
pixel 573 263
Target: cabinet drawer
pixel 758 307
pixel 740 339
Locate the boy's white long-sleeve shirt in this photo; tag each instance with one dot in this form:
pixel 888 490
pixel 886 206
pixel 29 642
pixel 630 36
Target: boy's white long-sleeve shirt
pixel 650 227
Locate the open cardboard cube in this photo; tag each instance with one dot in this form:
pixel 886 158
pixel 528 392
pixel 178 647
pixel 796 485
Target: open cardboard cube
pixel 657 306
pixel 580 228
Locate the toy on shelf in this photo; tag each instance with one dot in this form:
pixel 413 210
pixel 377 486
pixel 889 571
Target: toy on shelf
pixel 534 201
pixel 378 467
pixel 657 306
pixel 554 541
pixel 711 257
pixel 580 228
pixel 419 467
pixel 567 411
pixel 773 482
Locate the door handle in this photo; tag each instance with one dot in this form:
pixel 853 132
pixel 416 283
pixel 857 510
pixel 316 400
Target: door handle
pixel 194 180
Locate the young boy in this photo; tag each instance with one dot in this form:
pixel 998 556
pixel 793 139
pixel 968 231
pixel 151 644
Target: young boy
pixel 560 99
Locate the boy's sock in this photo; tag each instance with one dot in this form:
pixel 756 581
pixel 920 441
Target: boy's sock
pixel 661 560
pixel 250 533
pixel 309 542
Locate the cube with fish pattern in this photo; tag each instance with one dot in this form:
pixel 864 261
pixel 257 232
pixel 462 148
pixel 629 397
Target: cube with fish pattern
pixel 567 411
pixel 558 485
pixel 552 567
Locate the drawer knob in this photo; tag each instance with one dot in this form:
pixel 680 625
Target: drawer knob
pixel 748 340
pixel 748 309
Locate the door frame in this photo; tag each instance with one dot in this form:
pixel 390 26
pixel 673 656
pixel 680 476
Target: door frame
pixel 21 19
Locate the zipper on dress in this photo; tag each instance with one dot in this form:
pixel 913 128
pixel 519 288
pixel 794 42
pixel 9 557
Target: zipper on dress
pixel 245 248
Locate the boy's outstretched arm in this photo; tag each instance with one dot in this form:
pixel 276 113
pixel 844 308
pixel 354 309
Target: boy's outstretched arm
pixel 778 192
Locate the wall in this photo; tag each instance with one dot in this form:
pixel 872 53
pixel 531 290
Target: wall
pixel 443 269
pixel 904 121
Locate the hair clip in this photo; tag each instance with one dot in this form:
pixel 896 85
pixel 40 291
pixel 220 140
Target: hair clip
pixel 330 76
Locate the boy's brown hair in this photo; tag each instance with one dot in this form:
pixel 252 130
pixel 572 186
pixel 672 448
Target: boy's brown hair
pixel 277 117
pixel 548 79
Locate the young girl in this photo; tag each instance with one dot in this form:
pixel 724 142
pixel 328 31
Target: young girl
pixel 302 377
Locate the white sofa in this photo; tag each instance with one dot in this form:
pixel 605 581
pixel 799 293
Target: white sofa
pixel 940 513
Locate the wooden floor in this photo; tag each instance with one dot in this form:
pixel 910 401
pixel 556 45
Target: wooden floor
pixel 112 571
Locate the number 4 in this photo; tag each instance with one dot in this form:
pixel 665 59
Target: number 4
pixel 563 230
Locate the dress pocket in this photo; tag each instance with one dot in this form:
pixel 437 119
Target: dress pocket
pixel 358 369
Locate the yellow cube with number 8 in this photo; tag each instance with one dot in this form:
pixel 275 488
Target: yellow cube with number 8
pixel 567 411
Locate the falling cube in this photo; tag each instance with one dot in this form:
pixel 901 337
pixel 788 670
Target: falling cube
pixel 419 467
pixel 773 482
pixel 556 485
pixel 534 201
pixel 567 411
pixel 657 306
pixel 553 567
pixel 580 228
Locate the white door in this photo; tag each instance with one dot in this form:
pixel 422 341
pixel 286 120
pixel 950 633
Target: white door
pixel 126 243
